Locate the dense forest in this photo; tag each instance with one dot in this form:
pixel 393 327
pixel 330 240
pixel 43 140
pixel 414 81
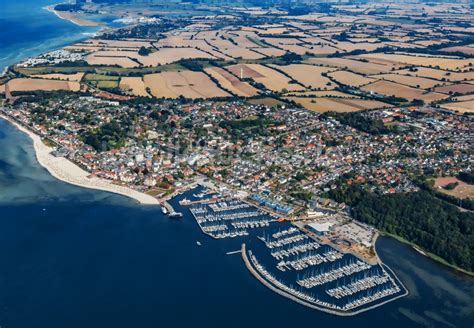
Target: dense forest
pixel 419 217
pixel 467 177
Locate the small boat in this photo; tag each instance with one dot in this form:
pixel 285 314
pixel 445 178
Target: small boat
pixel 184 201
pixel 176 215
pixel 198 243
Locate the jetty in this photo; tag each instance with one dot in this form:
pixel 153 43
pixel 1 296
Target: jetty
pixel 309 300
pixel 316 274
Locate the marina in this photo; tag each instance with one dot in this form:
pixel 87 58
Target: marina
pixel 290 260
pixel 229 218
pixel 79 257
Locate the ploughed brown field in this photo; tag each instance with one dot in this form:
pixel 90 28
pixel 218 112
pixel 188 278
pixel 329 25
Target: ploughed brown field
pixel 270 78
pixel 469 50
pixel 394 89
pixel 456 88
pixel 231 83
pixel 356 66
pixel 308 75
pixel 412 81
pixel 337 104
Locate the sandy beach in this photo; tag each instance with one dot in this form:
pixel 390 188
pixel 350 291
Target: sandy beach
pixel 72 17
pixel 64 170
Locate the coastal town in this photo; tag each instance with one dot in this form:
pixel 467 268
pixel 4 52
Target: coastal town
pixel 307 135
pixel 288 154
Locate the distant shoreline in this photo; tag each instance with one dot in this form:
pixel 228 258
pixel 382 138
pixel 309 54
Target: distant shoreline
pixel 70 17
pixel 66 171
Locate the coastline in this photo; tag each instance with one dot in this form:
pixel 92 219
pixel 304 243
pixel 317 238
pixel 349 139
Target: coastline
pixel 70 17
pixel 66 171
pixel 429 255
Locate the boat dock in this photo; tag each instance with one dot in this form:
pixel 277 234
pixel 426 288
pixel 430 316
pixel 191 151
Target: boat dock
pixel 168 207
pixel 229 217
pixel 299 295
pixel 291 262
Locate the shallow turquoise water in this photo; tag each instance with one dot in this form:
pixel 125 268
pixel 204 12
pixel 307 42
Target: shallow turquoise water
pixel 26 29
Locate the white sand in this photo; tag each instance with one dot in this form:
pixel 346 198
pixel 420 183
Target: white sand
pixel 63 169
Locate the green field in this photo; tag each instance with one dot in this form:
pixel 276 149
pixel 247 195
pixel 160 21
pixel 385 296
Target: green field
pixel 104 84
pixel 101 70
pixel 98 77
pixel 54 69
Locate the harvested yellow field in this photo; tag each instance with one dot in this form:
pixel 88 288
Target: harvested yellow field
pixel 438 74
pixel 426 61
pixel 177 41
pixel 320 49
pixel 174 41
pixel 185 83
pixel 170 55
pixel 461 106
pixel 134 85
pixel 270 52
pixel 464 98
pixel 124 62
pixel 352 65
pixel 271 102
pixel 231 82
pixel 319 94
pixel 461 88
pixel 465 49
pixel 393 89
pixel 279 42
pixel 308 75
pixel 233 50
pixel 270 78
pixel 297 49
pixel 337 104
pixel 161 57
pixel 349 78
pixel 63 77
pixel 27 84
pixel 237 52
pixel 412 81
pixel 349 46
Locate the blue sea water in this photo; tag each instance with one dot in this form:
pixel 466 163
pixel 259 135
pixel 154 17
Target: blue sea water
pixel 27 29
pixel 73 257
